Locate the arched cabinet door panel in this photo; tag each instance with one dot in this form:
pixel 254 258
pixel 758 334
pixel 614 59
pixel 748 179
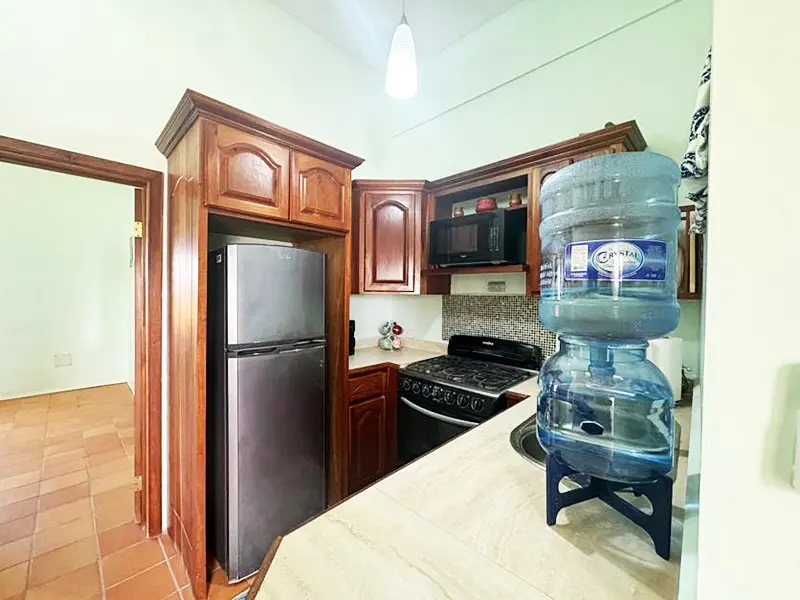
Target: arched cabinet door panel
pixel 320 193
pixel 247 174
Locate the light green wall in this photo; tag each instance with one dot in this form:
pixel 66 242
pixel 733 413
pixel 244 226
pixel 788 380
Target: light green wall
pixel 103 77
pixel 66 283
pixel 591 61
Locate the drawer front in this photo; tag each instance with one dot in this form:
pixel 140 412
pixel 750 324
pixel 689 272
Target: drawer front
pixel 367 386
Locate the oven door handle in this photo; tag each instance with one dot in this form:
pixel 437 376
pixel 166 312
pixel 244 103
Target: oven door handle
pixel 438 417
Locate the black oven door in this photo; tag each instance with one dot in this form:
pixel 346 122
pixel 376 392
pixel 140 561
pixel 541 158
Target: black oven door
pixel 474 239
pixel 420 430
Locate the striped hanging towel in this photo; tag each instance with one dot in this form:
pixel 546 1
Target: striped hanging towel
pixel 694 167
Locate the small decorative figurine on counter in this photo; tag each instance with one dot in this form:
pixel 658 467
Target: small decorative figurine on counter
pixel 390 340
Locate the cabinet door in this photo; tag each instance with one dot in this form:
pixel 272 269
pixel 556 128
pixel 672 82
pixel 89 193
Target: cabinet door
pixel 320 193
pixel 247 174
pixel 367 458
pixel 391 241
pixel 689 274
pixel 536 179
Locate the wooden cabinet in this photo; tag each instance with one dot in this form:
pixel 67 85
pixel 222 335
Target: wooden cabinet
pixel 536 179
pixel 246 174
pixel 231 169
pixel 521 173
pixel 690 258
pixel 367 449
pixel 371 426
pixel 387 252
pixel 320 193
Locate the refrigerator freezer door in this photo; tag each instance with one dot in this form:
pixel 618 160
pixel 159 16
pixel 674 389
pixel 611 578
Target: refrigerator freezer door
pixel 275 293
pixel 276 453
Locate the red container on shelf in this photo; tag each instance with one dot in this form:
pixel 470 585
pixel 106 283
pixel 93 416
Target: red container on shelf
pixel 486 204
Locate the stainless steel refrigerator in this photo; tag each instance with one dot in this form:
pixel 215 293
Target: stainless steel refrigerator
pixel 266 398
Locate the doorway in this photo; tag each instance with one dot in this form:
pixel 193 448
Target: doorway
pixel 100 391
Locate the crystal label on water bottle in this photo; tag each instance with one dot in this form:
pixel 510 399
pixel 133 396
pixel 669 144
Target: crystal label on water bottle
pixel 618 260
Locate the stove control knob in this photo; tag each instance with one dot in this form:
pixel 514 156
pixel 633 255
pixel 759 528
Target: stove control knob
pixel 477 405
pixel 406 385
pixel 415 388
pixel 450 398
pixel 426 390
pixel 463 401
pixel 437 394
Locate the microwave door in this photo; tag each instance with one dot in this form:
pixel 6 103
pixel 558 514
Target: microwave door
pixel 473 239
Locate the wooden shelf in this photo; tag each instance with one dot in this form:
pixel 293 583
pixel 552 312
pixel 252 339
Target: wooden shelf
pixel 490 270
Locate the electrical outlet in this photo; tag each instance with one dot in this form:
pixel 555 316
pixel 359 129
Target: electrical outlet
pixel 62 360
pixel 496 286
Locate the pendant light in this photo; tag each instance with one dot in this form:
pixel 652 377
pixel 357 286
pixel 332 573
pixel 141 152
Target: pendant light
pixel 401 72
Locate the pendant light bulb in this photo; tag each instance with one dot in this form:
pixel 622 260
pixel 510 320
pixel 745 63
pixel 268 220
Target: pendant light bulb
pixel 401 72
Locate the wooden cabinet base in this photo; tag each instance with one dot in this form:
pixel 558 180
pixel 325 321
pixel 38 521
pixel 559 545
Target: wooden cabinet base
pixel 371 426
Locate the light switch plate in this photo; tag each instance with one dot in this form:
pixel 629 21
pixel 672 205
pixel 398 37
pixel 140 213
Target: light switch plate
pixel 62 360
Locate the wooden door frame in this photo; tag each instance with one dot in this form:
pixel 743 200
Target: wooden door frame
pixel 149 205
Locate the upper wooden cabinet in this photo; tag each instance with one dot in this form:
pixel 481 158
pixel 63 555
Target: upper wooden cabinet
pixel 521 173
pixel 690 257
pixel 387 246
pixel 320 193
pixel 246 173
pixel 254 168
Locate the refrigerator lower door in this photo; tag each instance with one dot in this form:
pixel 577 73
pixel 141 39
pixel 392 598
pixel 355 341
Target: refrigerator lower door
pixel 276 453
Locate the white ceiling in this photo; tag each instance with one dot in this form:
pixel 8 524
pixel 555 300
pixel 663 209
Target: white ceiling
pixel 364 28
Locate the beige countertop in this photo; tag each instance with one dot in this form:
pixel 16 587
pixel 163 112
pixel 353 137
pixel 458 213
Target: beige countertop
pixel 467 521
pixel 372 355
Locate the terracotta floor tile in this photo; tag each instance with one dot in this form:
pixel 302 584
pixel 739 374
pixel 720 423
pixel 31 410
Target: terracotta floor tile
pixel 19 494
pixel 52 538
pixel 63 481
pixel 120 537
pixel 17 529
pixel 218 588
pixel 154 584
pixel 63 468
pixel 130 561
pixel 16 455
pixel 179 571
pixel 168 545
pixel 62 561
pixel 65 496
pixel 63 513
pixel 115 496
pixel 67 456
pixel 56 436
pixel 112 515
pixel 15 552
pixel 110 482
pixel 102 444
pixel 96 460
pixel 11 512
pixel 121 465
pixel 80 584
pixel 172 596
pixel 12 580
pixel 15 481
pixel 19 468
pixel 62 448
pixel 100 430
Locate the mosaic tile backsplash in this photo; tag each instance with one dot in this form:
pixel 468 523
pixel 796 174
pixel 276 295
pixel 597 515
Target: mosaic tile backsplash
pixel 508 317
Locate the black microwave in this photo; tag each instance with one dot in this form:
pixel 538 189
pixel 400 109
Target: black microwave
pixel 495 237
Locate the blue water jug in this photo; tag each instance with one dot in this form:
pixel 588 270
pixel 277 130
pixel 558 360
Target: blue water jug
pixel 608 264
pixel 605 410
pixel 609 247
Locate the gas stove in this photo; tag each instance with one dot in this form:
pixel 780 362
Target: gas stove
pixel 470 382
